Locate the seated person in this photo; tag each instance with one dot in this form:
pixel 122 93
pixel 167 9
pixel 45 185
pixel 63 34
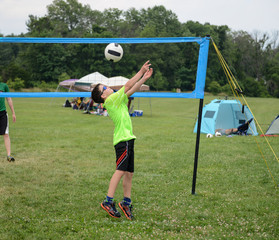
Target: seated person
pixel 88 105
pixel 78 103
pixel 84 104
pixel 240 130
pixel 74 103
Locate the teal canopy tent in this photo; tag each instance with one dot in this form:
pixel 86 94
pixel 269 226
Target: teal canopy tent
pixel 225 114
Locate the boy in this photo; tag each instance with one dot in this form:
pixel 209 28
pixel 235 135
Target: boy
pixel 123 138
pixel 4 121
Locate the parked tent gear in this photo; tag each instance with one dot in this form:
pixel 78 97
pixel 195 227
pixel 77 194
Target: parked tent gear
pixel 225 114
pixel 68 84
pixel 67 104
pixel 274 127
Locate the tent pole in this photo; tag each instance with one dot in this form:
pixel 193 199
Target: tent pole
pixel 197 148
pixel 56 92
pixel 150 106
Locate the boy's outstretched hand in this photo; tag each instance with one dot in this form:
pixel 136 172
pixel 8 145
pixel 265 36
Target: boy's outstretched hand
pixel 148 73
pixel 134 83
pixel 145 67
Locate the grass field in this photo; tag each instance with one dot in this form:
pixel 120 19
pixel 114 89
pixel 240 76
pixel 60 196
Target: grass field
pixel 64 161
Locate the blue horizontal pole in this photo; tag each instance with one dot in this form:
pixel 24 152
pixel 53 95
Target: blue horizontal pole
pixel 88 94
pixel 44 94
pixel 99 40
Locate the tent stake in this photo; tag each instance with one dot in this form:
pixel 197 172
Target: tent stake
pixel 197 148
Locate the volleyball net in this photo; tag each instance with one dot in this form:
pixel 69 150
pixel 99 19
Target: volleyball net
pixel 198 92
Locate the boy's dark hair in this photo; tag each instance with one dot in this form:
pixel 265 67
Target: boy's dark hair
pixel 96 94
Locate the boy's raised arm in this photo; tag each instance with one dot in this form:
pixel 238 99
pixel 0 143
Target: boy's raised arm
pixel 138 84
pixel 136 78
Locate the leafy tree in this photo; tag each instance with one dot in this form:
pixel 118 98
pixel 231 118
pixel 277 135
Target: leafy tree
pixel 272 75
pixel 158 81
pixel 133 24
pixel 112 20
pixel 165 21
pixel 45 61
pixel 13 71
pixel 227 89
pixel 63 76
pixel 70 17
pixel 187 79
pixel 214 87
pixel 41 27
pixel 17 84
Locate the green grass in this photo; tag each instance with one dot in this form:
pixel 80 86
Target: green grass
pixel 64 161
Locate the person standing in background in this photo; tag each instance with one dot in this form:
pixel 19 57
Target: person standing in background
pixel 4 120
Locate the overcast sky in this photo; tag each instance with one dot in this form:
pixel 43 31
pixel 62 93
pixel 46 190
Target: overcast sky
pixel 247 15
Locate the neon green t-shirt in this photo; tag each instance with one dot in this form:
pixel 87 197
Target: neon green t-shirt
pixel 116 105
pixel 3 88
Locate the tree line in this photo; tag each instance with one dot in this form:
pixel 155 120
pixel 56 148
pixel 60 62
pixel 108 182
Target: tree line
pixel 253 58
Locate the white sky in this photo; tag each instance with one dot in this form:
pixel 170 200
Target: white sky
pixel 247 15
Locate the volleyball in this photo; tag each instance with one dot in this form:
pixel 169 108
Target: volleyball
pixel 114 52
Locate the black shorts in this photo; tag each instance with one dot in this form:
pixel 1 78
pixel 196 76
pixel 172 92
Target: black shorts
pixel 125 156
pixel 4 123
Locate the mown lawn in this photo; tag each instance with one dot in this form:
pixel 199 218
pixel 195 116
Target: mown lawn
pixel 64 161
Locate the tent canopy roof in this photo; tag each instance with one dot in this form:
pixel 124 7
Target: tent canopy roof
pixel 92 77
pixel 88 82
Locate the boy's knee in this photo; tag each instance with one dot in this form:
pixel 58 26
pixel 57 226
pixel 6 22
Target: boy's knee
pixel 120 172
pixel 129 174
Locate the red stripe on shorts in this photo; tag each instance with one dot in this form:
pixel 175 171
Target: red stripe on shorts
pixel 121 157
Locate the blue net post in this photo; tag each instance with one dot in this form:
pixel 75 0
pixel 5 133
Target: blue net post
pixel 197 149
pixel 200 85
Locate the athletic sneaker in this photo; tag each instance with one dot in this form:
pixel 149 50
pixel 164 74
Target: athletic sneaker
pixel 127 209
pixel 10 159
pixel 110 209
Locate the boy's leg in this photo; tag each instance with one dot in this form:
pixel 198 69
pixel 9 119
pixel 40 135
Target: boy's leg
pixel 115 179
pixel 125 164
pixel 109 206
pixel 125 205
pixel 127 184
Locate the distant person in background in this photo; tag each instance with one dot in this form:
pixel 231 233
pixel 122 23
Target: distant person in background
pixel 4 121
pixel 240 130
pixel 86 104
